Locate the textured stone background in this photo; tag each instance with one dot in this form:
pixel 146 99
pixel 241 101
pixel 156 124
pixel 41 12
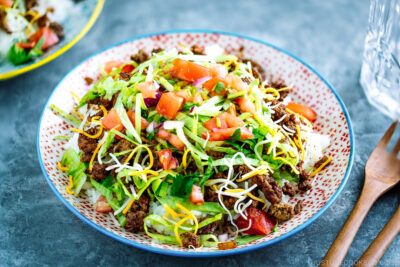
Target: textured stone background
pixel 36 229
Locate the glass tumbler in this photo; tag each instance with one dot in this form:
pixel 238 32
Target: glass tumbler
pixel 380 72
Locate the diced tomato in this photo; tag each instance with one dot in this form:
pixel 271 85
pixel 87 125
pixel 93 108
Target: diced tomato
pixel 169 105
pixel 218 70
pixel 188 71
pixel 261 223
pixel 303 110
pixel 245 105
pixel 232 120
pixel 102 205
pixel 26 45
pixel 213 123
pixel 112 64
pixel 168 162
pixel 185 94
pixel 226 119
pixel 196 197
pixel 148 89
pixel 6 3
pixel 176 142
pixel 210 84
pixel 163 134
pixel 236 83
pixel 224 134
pixel 173 139
pixel 127 68
pixel 144 123
pixel 50 37
pixel 112 120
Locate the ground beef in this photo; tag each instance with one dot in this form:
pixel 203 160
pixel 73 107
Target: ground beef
pixel 134 221
pixel 108 104
pixel 215 154
pixel 321 161
pixel 304 181
pixel 42 21
pixel 243 169
pixel 88 80
pixel 210 195
pixel 298 207
pixel 125 76
pixel 246 80
pixel 3 21
pixel 197 50
pixel 57 29
pixel 271 189
pixel 258 71
pixel 156 50
pixel 219 175
pixel 140 57
pixel 99 171
pixel 190 240
pixel 288 189
pixel 279 85
pixel 208 229
pixel 142 204
pixel 30 3
pixel 120 146
pixel 87 145
pixel 281 211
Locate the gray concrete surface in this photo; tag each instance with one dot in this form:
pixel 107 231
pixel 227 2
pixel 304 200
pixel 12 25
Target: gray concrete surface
pixel 37 230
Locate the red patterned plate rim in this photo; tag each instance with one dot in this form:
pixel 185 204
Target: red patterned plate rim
pixel 330 201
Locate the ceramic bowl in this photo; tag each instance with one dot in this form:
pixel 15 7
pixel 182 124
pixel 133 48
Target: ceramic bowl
pixel 309 88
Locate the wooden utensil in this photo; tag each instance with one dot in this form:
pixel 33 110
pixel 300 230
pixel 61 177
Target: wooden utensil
pixel 382 172
pixel 375 251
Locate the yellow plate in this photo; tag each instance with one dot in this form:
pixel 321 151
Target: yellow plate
pixel 7 70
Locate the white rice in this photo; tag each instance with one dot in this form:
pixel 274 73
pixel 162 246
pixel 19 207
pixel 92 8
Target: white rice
pixel 315 145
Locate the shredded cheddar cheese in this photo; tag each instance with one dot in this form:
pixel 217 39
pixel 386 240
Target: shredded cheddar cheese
pixel 78 114
pixel 218 122
pixel 104 110
pixel 184 157
pixel 299 143
pixel 259 170
pixel 301 117
pixel 136 149
pixel 94 155
pixel 288 163
pixel 97 135
pixel 71 185
pixel 196 223
pixel 321 167
pixel 247 194
pixel 75 95
pixel 63 168
pixel 177 225
pixel 128 206
pixel 35 16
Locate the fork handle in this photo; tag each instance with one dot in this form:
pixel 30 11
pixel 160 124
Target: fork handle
pixel 375 251
pixel 336 253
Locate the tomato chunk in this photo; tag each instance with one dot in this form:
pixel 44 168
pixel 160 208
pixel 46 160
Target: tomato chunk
pixel 246 105
pixel 196 197
pixel 213 123
pixel 232 120
pixel 6 3
pixel 112 120
pixel 218 70
pixel 261 223
pixel 188 71
pixel 211 83
pixel 143 122
pixel 102 205
pixel 50 37
pixel 148 89
pixel 127 68
pixel 169 105
pixel 168 162
pixel 224 134
pixel 303 110
pixel 112 64
pixel 171 138
pixel 236 83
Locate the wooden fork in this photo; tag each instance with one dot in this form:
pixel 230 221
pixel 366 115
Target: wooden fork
pixel 382 172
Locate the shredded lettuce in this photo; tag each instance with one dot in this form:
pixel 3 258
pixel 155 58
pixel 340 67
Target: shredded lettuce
pixel 71 118
pixel 119 107
pixel 207 207
pixel 247 239
pixel 210 107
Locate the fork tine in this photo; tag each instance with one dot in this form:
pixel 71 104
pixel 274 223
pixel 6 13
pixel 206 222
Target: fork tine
pixel 396 147
pixel 386 138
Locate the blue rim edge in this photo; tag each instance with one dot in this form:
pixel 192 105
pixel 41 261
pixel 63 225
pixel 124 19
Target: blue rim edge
pixel 222 252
